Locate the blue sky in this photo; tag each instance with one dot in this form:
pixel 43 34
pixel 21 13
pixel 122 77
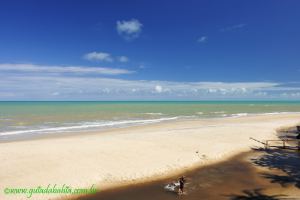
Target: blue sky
pixel 149 50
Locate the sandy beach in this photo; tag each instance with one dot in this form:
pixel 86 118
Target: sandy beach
pixel 131 155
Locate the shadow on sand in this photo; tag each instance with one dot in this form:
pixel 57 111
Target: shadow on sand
pixel 284 167
pixel 286 161
pixel 257 194
pixel 234 179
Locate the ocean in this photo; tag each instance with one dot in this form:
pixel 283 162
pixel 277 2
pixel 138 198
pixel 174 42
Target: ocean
pixel 30 119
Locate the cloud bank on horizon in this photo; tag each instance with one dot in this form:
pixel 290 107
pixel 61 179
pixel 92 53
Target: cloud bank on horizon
pixel 38 82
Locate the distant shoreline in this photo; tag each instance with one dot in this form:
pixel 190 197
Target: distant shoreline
pixel 153 101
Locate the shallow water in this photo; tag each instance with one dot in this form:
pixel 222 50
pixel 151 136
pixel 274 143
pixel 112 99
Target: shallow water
pixel 33 118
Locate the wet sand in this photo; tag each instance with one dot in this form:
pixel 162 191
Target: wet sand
pixel 245 176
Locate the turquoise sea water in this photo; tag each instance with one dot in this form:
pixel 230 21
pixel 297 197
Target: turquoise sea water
pixel 32 118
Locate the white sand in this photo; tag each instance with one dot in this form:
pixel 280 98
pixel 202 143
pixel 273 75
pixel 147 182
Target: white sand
pixel 131 154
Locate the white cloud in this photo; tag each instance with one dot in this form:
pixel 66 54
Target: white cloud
pixel 291 95
pixel 123 59
pixel 129 29
pixel 105 57
pixel 141 66
pixel 158 88
pixel 98 56
pixel 261 94
pixel 202 39
pixel 233 27
pixel 211 90
pixel 33 68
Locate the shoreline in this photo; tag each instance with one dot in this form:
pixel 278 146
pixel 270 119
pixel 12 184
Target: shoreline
pixel 147 152
pixel 167 119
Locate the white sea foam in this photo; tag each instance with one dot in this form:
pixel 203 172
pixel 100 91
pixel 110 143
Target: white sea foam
pixel 218 112
pixel 150 113
pixel 270 113
pixel 5 119
pixel 277 113
pixel 240 114
pixel 87 125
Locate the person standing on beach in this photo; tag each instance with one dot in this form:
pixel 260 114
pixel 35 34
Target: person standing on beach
pixel 181 185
